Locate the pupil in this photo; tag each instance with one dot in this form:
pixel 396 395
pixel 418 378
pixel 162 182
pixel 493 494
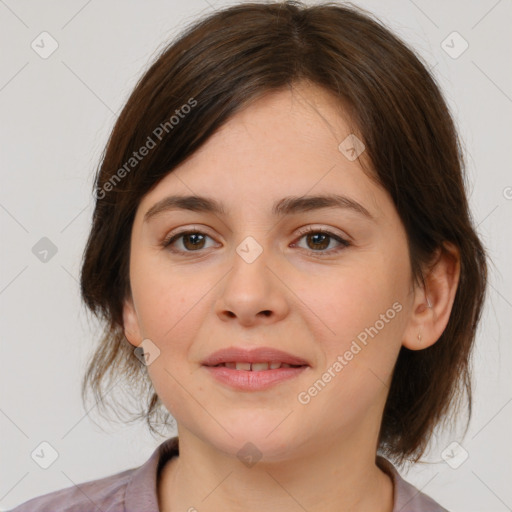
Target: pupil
pixel 324 237
pixel 189 237
pixel 317 238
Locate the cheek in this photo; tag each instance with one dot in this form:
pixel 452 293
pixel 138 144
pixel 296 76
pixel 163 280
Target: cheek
pixel 165 297
pixel 365 311
pixel 366 316
pixel 355 299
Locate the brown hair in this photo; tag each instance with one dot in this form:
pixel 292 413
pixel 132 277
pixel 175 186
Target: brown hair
pixel 222 63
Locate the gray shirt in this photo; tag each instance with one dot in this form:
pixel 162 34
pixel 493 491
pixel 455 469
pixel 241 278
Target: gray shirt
pixel 135 490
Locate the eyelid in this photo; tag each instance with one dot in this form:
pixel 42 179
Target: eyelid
pixel 303 230
pixel 343 240
pixel 324 229
pixel 185 231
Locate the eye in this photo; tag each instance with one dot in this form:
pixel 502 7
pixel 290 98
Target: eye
pixel 192 241
pixel 317 239
pixel 320 239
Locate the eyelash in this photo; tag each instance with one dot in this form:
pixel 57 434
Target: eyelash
pixel 344 243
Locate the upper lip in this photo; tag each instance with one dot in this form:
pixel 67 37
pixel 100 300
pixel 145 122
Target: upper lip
pixel 252 355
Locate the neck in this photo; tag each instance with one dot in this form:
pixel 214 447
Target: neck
pixel 335 476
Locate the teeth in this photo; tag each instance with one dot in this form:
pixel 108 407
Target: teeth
pixel 256 367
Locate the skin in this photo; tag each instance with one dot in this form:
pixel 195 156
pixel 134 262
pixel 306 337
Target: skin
pixel 319 455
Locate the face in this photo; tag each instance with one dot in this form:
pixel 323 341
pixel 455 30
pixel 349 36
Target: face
pixel 330 285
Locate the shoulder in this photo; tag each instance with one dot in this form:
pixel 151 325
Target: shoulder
pixel 132 490
pixel 408 498
pixel 106 494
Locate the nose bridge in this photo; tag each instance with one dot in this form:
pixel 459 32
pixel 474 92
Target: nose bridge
pixel 250 271
pixel 251 290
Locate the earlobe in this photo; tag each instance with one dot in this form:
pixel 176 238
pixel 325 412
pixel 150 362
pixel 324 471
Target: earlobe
pixel 433 303
pixel 131 323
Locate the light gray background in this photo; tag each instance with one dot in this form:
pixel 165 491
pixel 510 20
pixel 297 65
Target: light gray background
pixel 56 116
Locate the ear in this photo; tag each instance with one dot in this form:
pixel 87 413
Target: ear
pixel 433 304
pixel 131 325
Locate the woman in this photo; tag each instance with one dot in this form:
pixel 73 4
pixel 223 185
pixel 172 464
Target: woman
pixel 284 259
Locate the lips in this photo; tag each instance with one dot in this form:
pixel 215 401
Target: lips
pixel 253 359
pixel 256 367
pixel 251 370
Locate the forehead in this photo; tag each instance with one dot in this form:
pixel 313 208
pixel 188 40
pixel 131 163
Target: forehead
pixel 286 143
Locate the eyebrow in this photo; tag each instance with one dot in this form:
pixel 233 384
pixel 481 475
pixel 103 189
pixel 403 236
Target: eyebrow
pixel 286 206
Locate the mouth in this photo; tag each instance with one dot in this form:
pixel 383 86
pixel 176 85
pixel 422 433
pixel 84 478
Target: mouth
pixel 256 367
pixel 255 359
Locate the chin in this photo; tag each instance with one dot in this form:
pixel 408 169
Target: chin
pixel 264 437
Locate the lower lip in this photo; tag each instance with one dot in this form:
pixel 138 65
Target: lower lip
pixel 245 380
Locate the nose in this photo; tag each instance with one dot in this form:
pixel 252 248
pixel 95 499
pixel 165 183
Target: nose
pixel 253 292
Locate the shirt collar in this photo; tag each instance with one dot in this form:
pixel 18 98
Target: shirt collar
pixel 142 491
pixel 406 497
